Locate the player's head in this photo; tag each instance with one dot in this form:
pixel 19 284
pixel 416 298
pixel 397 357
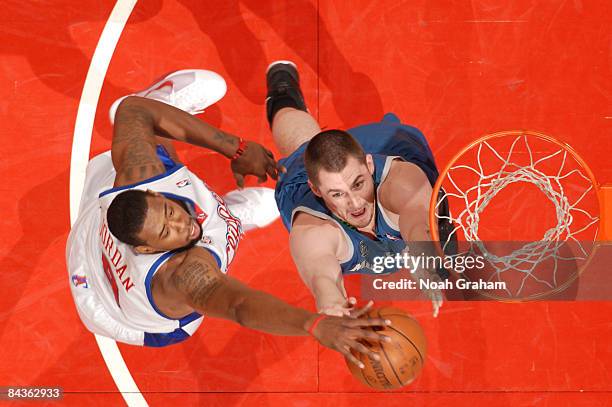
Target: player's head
pixel 340 173
pixel 151 222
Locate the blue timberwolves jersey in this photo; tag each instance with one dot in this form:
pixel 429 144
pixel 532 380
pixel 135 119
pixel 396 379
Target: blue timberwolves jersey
pixel 385 141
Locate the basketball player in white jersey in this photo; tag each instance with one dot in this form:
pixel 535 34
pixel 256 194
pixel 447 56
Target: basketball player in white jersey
pixel 149 252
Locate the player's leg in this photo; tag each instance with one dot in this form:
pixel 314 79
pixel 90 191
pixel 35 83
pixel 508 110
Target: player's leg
pixel 191 90
pixel 287 114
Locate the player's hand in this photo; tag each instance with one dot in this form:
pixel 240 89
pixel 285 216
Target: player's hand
pixel 341 309
pixel 435 295
pixel 256 160
pixel 436 301
pixel 344 334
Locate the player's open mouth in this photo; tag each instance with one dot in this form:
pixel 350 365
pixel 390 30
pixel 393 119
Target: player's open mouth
pixel 358 213
pixel 195 230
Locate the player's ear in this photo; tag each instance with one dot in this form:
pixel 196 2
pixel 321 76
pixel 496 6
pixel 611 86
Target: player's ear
pixel 144 249
pixel 370 163
pixel 314 189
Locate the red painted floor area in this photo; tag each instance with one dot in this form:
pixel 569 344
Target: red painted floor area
pixel 456 70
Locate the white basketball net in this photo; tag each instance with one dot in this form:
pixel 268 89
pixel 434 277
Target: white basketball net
pixel 490 183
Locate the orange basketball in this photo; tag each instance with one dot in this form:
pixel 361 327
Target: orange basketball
pixel 401 360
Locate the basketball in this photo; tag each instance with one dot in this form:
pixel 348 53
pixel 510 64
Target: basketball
pixel 401 360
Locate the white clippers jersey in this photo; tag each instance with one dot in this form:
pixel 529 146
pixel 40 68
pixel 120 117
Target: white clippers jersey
pixel 111 283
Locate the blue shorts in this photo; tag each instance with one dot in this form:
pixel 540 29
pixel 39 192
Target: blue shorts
pixel 388 137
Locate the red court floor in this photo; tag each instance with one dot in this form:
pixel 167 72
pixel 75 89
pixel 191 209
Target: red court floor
pixel 454 69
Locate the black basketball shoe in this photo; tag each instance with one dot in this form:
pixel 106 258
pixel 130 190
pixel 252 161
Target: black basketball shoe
pixel 283 84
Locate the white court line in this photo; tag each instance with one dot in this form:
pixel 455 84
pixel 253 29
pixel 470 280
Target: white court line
pixel 81 143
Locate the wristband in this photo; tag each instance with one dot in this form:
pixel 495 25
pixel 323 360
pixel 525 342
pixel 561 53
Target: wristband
pixel 242 146
pixel 315 323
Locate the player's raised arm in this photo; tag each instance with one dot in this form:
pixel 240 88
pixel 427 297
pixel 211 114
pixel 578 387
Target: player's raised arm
pixel 407 192
pixel 313 249
pixel 138 120
pixel 133 146
pixel 201 285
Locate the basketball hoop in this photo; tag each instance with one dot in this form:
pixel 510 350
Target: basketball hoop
pixel 556 177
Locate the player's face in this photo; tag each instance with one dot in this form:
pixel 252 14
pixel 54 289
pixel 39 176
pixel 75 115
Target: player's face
pixel 349 194
pixel 168 226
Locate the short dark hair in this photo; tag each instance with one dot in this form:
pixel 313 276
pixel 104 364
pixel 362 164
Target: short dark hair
pixel 126 215
pixel 329 150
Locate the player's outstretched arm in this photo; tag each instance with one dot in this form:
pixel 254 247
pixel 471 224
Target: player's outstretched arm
pixel 407 192
pixel 313 250
pixel 208 291
pixel 138 120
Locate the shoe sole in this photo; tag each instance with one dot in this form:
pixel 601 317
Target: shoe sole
pixel 281 61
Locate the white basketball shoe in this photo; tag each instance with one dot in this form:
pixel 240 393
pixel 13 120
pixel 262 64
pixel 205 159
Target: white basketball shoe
pixel 255 207
pixel 191 90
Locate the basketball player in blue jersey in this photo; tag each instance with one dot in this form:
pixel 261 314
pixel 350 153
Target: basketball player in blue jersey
pixel 347 197
pixel 149 252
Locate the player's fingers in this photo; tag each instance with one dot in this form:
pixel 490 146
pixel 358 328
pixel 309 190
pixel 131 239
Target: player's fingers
pixel 437 303
pixel 270 163
pixel 349 305
pixel 239 180
pixel 372 336
pixel 362 311
pixel 366 322
pixel 347 354
pixel 272 171
pixel 361 348
pixel 270 157
pixel 368 335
